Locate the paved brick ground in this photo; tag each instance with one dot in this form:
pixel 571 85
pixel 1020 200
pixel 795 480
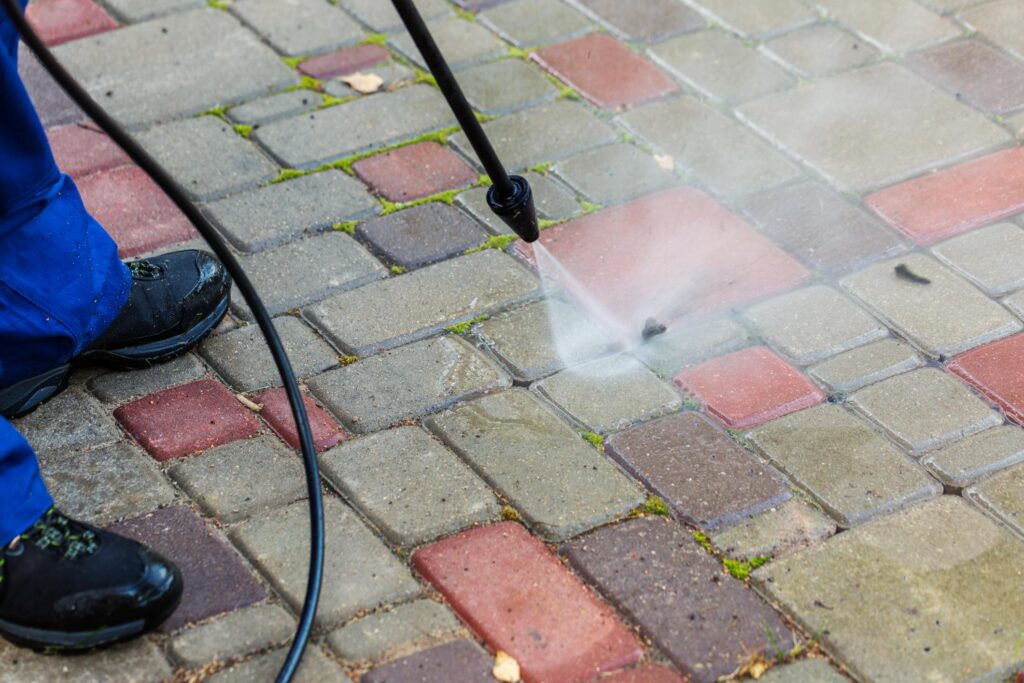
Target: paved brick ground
pixel 817 467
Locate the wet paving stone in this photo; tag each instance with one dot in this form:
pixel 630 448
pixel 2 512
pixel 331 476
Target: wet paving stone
pixel 994 370
pixel 553 201
pixel 941 574
pixel 403 630
pixel 896 25
pixel 789 527
pixel 605 71
pixel 648 21
pixel 82 148
pixel 460 662
pixel 315 667
pixel 957 199
pixel 360 572
pixel 923 312
pixel 138 660
pixel 414 172
pixel 966 461
pixel 614 174
pixel 667 354
pixel 59 21
pixel 976 72
pixel 187 419
pixel 992 257
pixel 70 421
pixel 407 382
pixel 762 18
pixel 274 107
pixel 822 49
pixel 1003 496
pixel 846 466
pixel 381 16
pixel 558 482
pixel 409 485
pixel 706 478
pixel 237 633
pixel 748 387
pixel 120 387
pixel 462 42
pixel 505 86
pixel 535 22
pixel 301 27
pixel 654 572
pixel 1000 21
pixel 422 234
pixel 513 592
pixel 277 413
pixel 869 364
pixel 216 579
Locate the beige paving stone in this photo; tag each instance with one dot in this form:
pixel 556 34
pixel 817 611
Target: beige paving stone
pixel 1015 302
pixel 666 354
pixel 943 317
pixel 992 257
pixel 315 668
pixel 236 633
pixel 822 49
pixel 1001 21
pixel 792 526
pixel 1003 495
pixel 134 662
pixel 893 25
pixel 759 18
pixel 962 463
pixel 804 671
pixel 931 593
pixel 872 363
pixel 395 633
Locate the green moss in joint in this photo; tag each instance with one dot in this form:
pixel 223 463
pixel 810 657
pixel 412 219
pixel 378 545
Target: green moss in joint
pixel 288 174
pixel 484 118
pixel 484 181
pixel 220 111
pixel 703 541
pixel 375 39
pixel 690 403
pixel 594 439
pixel 465 14
pixel 654 505
pixel 741 439
pixel 589 207
pixel 541 169
pixel 243 129
pixel 332 101
pixel 739 569
pixel 465 327
pixel 398 270
pixel 218 4
pixel 348 360
pixel 348 227
pixel 518 53
pixel 567 93
pixel 424 77
pixel 440 137
pixel 307 83
pixel 545 223
pixel 509 514
pixel 495 242
pixel 294 62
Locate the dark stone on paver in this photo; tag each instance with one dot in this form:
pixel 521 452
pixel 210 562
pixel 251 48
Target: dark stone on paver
pixel 654 572
pixel 60 21
pixel 344 62
pixel 277 413
pixel 139 660
pixel 315 668
pixel 187 419
pixel 52 104
pixel 1003 496
pixel 964 462
pixel 216 579
pixel 138 10
pixel 614 174
pixel 317 267
pixel 792 526
pixel 402 631
pixel 298 27
pixel 818 225
pixel 535 22
pixel 666 354
pixel 707 478
pixel 414 172
pixel 119 387
pixel 82 148
pixel 553 202
pixel 422 234
pixel 460 662
pixel 237 633
pixel 381 16
pixel 462 42
pixel 822 49
pixel 71 421
pixel 650 20
pixel 154 66
pixel 504 86
pixel 269 109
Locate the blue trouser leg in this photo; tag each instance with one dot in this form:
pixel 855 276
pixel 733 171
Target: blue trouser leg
pixel 61 282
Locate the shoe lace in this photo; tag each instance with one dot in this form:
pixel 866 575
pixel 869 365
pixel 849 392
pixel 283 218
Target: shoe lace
pixel 55 532
pixel 144 270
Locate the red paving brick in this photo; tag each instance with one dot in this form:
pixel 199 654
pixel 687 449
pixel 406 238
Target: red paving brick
pixel 278 414
pixel 344 62
pixel 414 172
pixel 670 255
pixel 748 387
pixel 997 371
pixel 605 71
pixel 516 595
pixel 646 674
pixel 187 419
pixel 82 148
pixel 58 21
pixel 957 199
pixel 133 209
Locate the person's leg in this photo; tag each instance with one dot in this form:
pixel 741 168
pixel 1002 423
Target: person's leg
pixel 23 495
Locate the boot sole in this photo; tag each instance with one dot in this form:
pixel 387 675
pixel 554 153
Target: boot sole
pixel 25 396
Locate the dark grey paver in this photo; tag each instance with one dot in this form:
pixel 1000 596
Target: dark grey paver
pixel 401 631
pixel 381 16
pixel 822 49
pixel 966 461
pixel 560 484
pixel 139 660
pixel 504 86
pixel 915 28
pixel 553 202
pixel 268 109
pixel 760 18
pixel 237 633
pixel 462 42
pixel 535 22
pixel 422 234
pixel 298 27
pixel 707 478
pixel 869 364
pixel 792 526
pixel 121 387
pixel 614 174
pixel 139 10
pixel 71 421
pixel 992 257
pixel 649 21
pixel 407 382
pixel 315 668
pixel 654 572
pixel 1003 496
pixel 977 72
pixel 460 662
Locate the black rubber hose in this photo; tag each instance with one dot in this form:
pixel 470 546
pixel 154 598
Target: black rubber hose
pixel 259 311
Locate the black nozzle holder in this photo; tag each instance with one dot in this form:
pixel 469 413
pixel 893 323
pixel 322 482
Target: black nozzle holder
pixel 509 197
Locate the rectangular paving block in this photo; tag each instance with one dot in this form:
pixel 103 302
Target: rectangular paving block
pixel 71 421
pixel 277 412
pixel 534 608
pixel 140 659
pixel 666 354
pixel 148 71
pixel 82 148
pixel 852 471
pixel 966 461
pixel 1003 496
pixel 822 49
pixel 648 21
pixel 401 631
pixel 414 172
pixel 646 674
pixel 460 662
pixel 359 571
pixel 120 387
pixel 528 23
pixel 315 667
pixel 789 527
pixel 1000 21
pixel 977 72
pixel 559 483
pixel 462 42
pixel 706 477
pixel 60 21
pixel 415 305
pixel 1015 302
pixel 941 574
pixel 869 364
pixel 653 571
pixel 894 25
pixel 992 257
pixel 381 16
pixel 274 107
pixel 505 85
pixel 805 670
pixel 298 27
pixel 422 234
pixel 614 174
pixel 237 633
pixel 759 18
pixel 942 317
pixel 994 370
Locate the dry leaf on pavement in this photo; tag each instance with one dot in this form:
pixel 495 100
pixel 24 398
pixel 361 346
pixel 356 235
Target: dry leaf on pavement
pixel 505 668
pixel 665 161
pixel 363 83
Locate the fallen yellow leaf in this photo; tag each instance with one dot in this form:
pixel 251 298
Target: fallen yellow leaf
pixel 665 161
pixel 363 83
pixel 505 668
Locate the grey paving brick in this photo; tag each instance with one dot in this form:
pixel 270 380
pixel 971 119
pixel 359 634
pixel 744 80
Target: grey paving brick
pixel 614 174
pixel 760 18
pixel 139 10
pixel 966 461
pixel 148 71
pixel 381 16
pixel 1003 496
pixel 535 22
pixel 946 317
pixel 402 631
pixel 1015 303
pixel 822 49
pixel 407 382
pixel 316 267
pixel 236 633
pixel 793 525
pixel 409 485
pixel 823 124
pixel 737 72
pixel 610 394
pixel 505 86
pixel 548 133
pixel 804 671
pixel 359 570
pixel 553 202
pixel 1001 21
pixel 207 157
pixel 315 668
pixel 139 660
pixel 649 21
pixel 992 257
pixel 869 364
pixel 462 661
pixel 559 483
pixel 462 42
pixel 274 107
pixel 105 484
pixel 853 472
pixel 298 27
pixel 666 354
pixel 813 323
pixel 71 421
pixel 309 140
pixel 422 234
pixel 269 215
pixel 121 387
pixel 893 25
pixel 418 304
pixel 708 144
pixel 941 574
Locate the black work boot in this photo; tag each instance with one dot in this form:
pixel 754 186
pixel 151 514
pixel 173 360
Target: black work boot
pixel 67 586
pixel 175 301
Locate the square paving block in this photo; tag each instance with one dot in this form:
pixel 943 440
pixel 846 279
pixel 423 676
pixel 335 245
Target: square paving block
pixel 822 49
pixel 852 471
pixel 505 85
pixel 992 257
pixel 648 21
pixel 463 43
pixel 535 22
pixel 791 526
pixel 995 371
pixel 241 632
pixel 964 462
pixel 298 27
pixel 893 25
pixel 460 662
pixel 760 18
pixel 71 421
pixel 1003 496
pixel 401 631
pixel 1001 21
pixel 614 174
pixel 869 364
pixel 422 234
pixel 976 72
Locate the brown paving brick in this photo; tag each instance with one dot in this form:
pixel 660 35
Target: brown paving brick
pixel 187 419
pixel 997 370
pixel 654 572
pixel 459 662
pixel 414 172
pixel 644 674
pixel 278 414
pixel 82 148
pixel 976 72
pixel 957 199
pixel 516 595
pixel 344 62
pixel 216 579
pixel 707 478
pixel 58 21
pixel 650 20
pixel 749 387
pixel 605 71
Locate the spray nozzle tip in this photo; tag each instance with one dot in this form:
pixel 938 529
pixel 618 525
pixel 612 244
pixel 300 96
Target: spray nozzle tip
pixel 517 209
